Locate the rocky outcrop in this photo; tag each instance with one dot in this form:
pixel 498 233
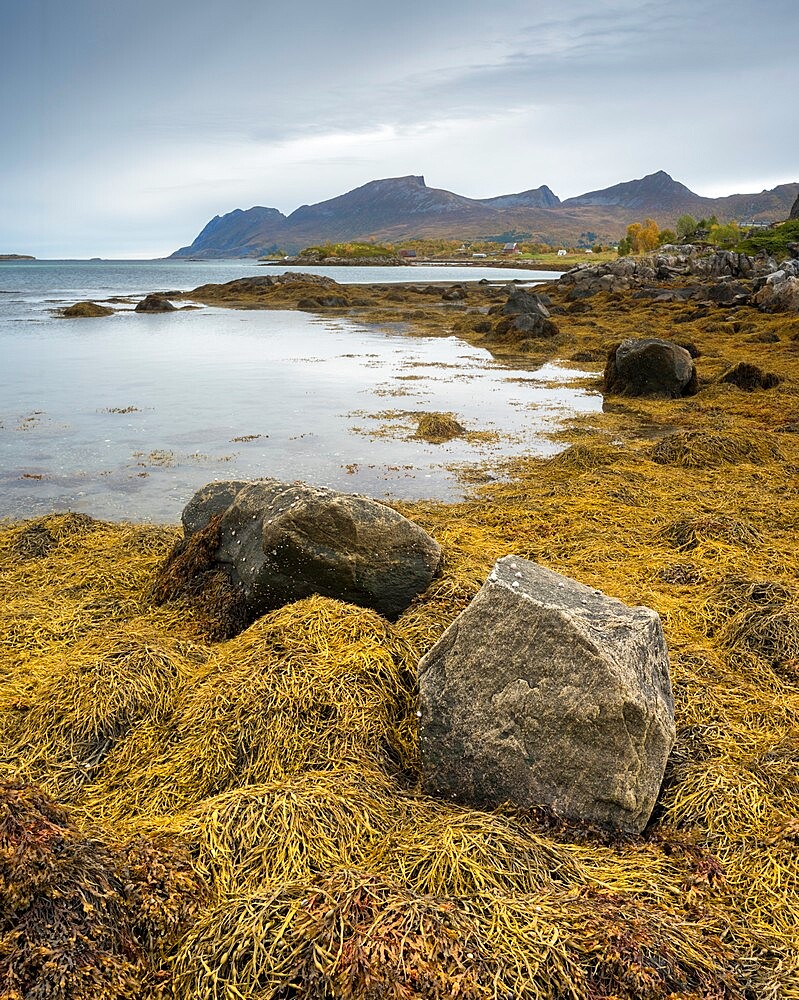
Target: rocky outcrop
pixel 154 304
pixel 668 264
pixel 780 290
pixel 86 310
pixel 724 263
pixel 795 210
pixel 266 285
pixel 650 367
pixel 523 317
pixel 545 692
pixel 279 542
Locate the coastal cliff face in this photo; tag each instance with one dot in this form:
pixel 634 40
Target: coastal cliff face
pixel 397 208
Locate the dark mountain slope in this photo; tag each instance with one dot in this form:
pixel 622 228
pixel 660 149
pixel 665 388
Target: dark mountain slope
pixel 541 197
pixel 658 192
pixel 398 208
pixel 238 234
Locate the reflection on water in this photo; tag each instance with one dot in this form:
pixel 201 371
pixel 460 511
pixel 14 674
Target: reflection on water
pixel 125 417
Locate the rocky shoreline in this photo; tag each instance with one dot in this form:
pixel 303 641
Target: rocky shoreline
pixel 253 814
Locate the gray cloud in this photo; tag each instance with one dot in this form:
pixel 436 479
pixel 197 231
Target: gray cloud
pixel 127 125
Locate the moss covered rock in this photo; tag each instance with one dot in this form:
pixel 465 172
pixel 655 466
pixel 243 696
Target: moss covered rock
pixel 86 310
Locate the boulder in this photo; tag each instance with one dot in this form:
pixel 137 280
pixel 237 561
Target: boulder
pixel 154 304
pixel 795 210
pixel 545 692
pixel 780 293
pixel 279 542
pixel 650 367
pixel 728 292
pixel 524 316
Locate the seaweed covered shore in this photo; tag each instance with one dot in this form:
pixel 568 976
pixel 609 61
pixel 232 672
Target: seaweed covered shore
pixel 187 818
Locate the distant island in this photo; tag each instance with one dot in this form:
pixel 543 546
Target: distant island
pixel 16 256
pixel 398 209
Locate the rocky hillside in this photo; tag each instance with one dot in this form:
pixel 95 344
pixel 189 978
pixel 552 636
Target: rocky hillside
pixel 398 208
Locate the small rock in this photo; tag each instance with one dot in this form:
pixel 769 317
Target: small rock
pixel 438 428
pixel 749 377
pixel 86 310
pixel 154 304
pixel 524 316
pixel 728 293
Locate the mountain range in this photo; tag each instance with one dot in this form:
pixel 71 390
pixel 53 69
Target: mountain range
pixel 401 208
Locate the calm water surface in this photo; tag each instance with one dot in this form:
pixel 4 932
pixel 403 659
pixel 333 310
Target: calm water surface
pixel 125 417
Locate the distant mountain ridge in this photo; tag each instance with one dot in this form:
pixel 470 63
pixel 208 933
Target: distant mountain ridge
pixel 657 191
pixel 397 208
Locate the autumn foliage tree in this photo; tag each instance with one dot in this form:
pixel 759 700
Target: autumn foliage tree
pixel 640 238
pixel 643 237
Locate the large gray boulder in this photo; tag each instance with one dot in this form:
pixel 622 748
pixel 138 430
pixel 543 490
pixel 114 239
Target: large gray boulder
pixel 650 367
pixel 545 692
pixel 279 542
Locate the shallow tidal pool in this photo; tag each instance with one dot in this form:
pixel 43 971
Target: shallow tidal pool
pixel 125 417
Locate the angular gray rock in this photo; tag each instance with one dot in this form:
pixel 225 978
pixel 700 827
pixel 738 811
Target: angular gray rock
pixel 279 542
pixel 545 692
pixel 795 210
pixel 780 291
pixel 650 367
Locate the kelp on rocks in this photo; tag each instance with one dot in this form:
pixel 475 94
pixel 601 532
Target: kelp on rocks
pixel 242 819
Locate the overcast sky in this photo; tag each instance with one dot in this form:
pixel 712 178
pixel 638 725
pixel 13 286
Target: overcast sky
pixel 127 124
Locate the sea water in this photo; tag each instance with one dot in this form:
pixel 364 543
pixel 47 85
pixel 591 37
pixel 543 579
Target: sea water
pixel 124 417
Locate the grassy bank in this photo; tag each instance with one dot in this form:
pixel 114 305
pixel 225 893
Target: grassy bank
pixel 243 818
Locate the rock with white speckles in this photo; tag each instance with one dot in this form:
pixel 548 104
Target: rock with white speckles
pixel 279 542
pixel 545 692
